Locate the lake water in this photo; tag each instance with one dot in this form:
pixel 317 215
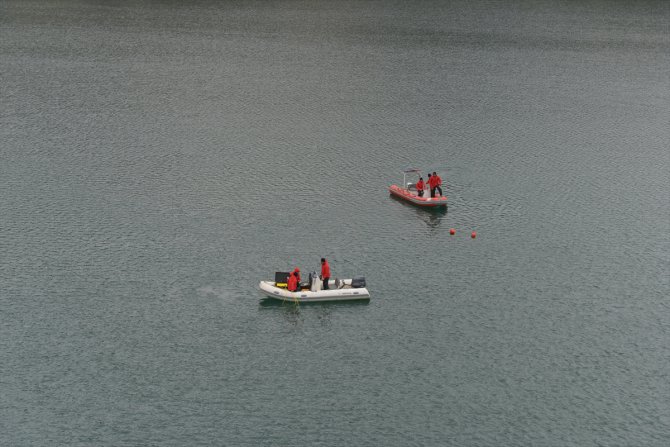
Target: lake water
pixel 159 159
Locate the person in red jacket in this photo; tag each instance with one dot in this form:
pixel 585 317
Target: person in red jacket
pixel 431 184
pixel 420 186
pixel 292 284
pixel 325 273
pixel 296 272
pixel 438 182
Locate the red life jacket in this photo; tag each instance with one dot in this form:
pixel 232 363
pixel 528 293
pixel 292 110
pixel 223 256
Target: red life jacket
pixel 431 182
pixel 420 185
pixel 292 283
pixel 325 270
pixel 438 180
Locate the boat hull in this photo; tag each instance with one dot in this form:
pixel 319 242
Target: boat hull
pixel 408 196
pixel 269 289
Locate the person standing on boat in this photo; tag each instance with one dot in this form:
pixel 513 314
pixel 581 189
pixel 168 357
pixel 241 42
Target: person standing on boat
pixel 296 272
pixel 292 284
pixel 431 184
pixel 325 273
pixel 420 186
pixel 438 183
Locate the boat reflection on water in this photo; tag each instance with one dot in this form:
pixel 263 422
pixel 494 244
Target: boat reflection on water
pixel 432 216
pixel 295 313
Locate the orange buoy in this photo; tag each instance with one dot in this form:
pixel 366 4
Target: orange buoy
pixel 452 231
pixel 474 234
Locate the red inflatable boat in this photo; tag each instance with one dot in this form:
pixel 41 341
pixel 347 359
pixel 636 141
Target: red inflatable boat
pixel 410 194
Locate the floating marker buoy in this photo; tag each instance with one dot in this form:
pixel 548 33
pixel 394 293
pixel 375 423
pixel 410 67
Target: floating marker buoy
pixel 452 231
pixel 474 234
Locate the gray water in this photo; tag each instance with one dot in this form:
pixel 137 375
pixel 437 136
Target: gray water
pixel 160 158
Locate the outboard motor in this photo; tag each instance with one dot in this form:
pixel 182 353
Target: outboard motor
pixel 358 282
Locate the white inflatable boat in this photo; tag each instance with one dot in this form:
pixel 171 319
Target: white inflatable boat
pixel 312 292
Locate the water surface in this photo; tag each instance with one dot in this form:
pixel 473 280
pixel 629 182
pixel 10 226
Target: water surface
pixel 159 160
